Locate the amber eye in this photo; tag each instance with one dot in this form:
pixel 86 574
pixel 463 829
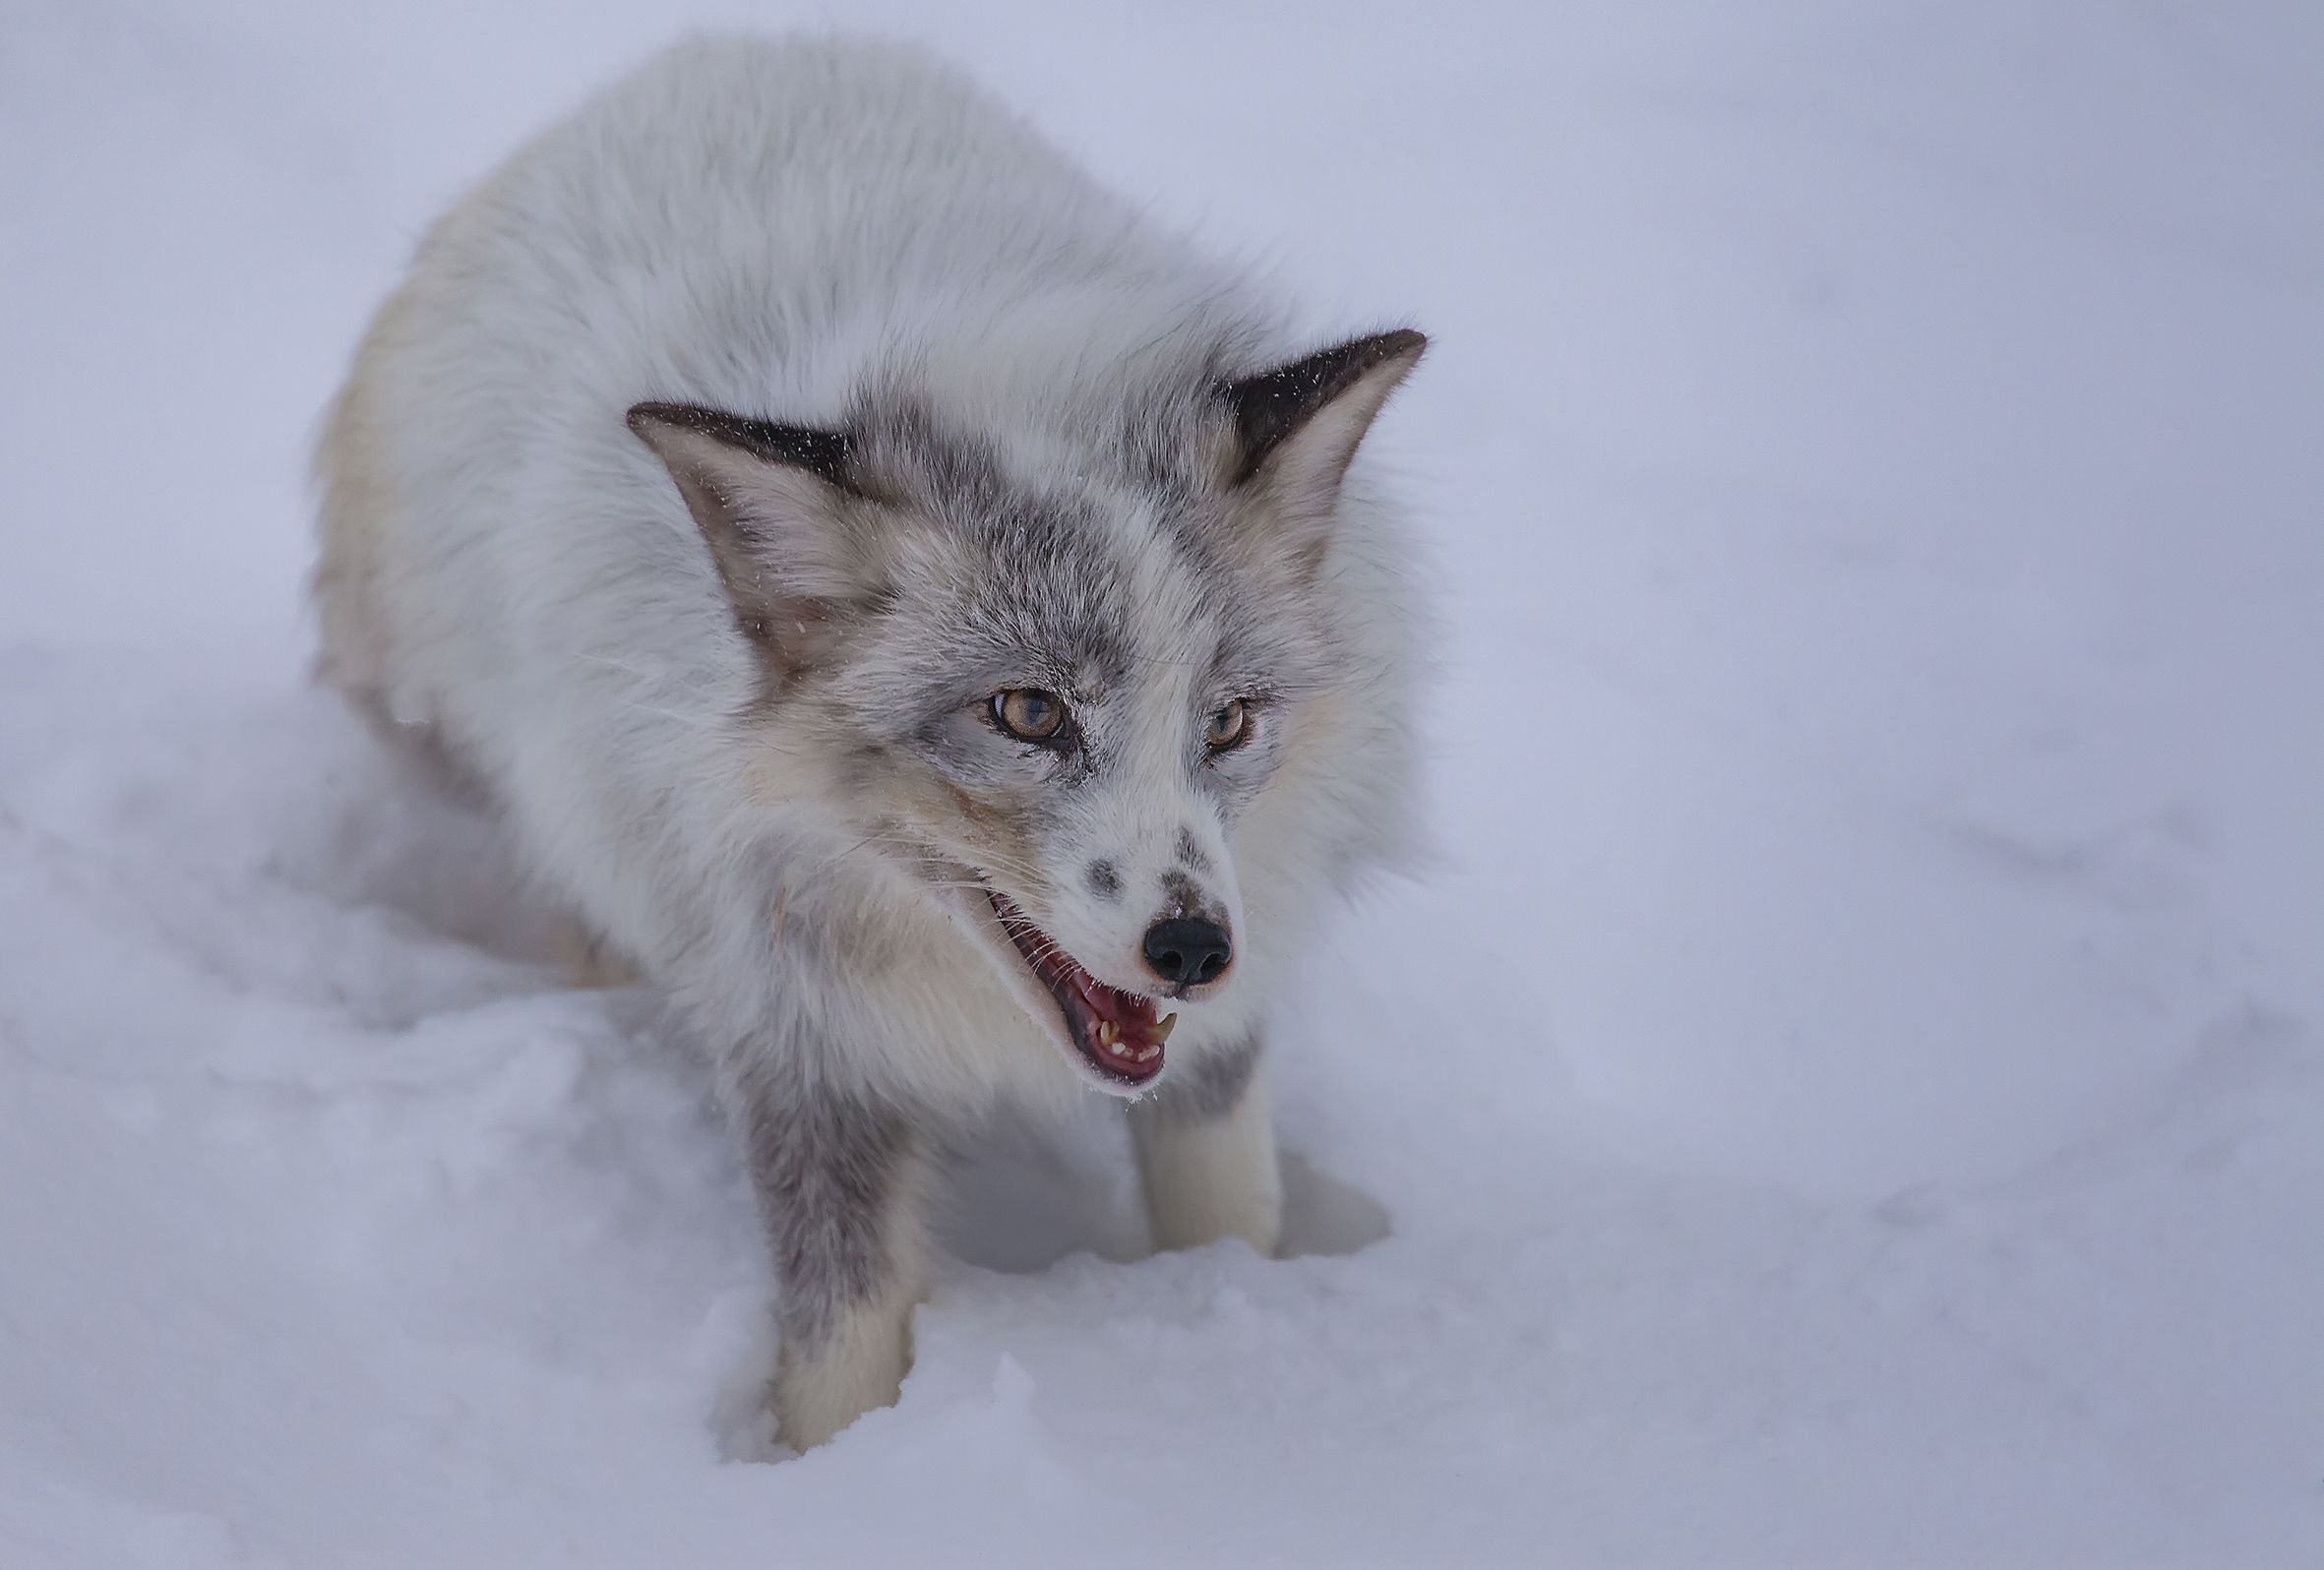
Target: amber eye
pixel 1228 726
pixel 1028 713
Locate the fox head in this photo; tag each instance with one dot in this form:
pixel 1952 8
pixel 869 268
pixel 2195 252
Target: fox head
pixel 1051 686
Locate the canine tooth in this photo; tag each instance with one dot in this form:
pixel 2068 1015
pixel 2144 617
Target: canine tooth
pixel 1108 1032
pixel 1150 1055
pixel 1163 1027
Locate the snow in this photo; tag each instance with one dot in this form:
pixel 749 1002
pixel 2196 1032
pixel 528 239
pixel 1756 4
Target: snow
pixel 1850 1094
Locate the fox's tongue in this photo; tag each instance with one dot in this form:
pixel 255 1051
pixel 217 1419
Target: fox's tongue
pixel 1114 1030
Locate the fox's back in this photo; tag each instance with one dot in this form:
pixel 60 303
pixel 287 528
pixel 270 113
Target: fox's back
pixel 762 220
pixel 749 224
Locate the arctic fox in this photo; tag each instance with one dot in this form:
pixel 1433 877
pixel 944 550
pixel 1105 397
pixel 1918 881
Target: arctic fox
pixel 920 616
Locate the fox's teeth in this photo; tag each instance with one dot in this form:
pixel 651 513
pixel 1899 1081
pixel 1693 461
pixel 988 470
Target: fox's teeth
pixel 1108 1032
pixel 1150 1053
pixel 1162 1028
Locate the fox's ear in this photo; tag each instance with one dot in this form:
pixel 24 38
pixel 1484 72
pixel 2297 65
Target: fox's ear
pixel 772 502
pixel 1297 427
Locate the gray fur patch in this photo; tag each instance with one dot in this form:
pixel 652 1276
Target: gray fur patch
pixel 1105 880
pixel 1210 1086
pixel 1182 896
pixel 1190 851
pixel 825 1167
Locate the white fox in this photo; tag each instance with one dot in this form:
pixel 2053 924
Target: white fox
pixel 922 617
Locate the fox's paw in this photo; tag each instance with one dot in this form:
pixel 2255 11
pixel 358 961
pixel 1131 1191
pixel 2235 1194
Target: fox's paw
pixel 858 1367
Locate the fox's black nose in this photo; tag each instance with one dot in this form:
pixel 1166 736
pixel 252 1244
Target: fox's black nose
pixel 1188 953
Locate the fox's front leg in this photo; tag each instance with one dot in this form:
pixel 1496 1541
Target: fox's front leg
pixel 1206 1154
pixel 842 1179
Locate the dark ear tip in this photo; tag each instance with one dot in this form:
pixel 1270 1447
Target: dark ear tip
pixel 824 453
pixel 1269 408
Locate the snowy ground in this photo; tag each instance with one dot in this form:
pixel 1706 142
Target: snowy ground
pixel 1854 1097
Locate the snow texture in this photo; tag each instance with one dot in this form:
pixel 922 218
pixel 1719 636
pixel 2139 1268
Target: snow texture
pixel 1850 1095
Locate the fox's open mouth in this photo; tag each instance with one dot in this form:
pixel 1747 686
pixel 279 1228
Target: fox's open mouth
pixel 1116 1030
